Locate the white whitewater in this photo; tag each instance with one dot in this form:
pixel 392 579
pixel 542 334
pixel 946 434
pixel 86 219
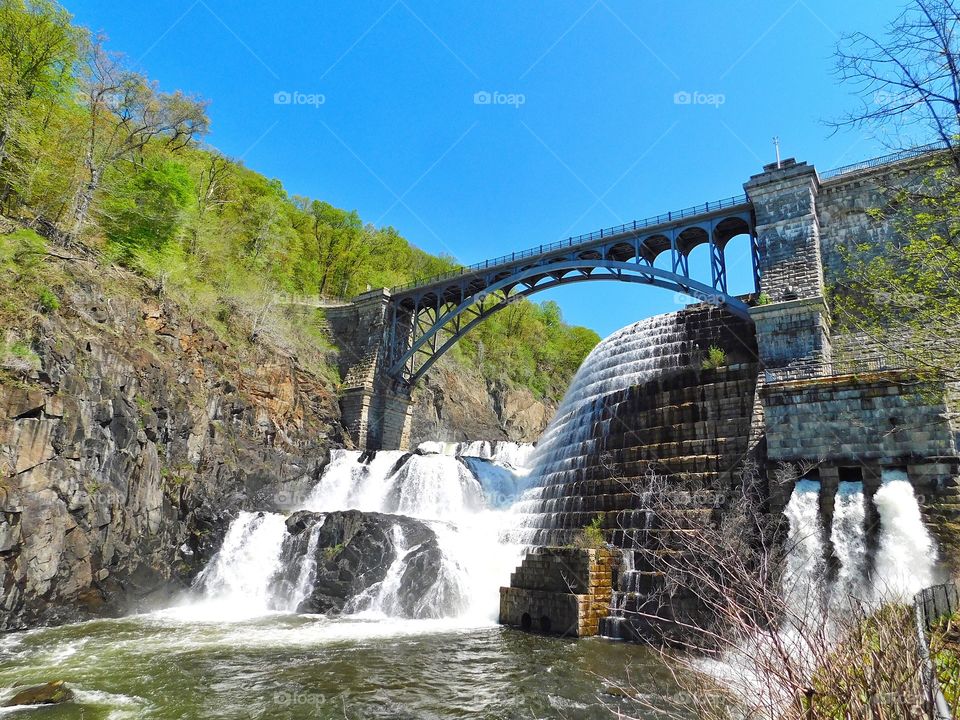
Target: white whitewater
pixel 458 497
pixel 237 582
pixel 510 454
pixel 906 559
pixel 806 560
pixel 308 568
pixel 818 602
pixel 848 537
pixel 460 493
pixel 904 563
pixel 630 356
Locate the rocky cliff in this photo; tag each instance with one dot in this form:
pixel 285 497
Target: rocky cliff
pixel 455 404
pixel 130 433
pixel 356 553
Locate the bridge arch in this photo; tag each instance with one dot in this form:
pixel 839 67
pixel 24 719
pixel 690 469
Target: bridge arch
pixel 425 322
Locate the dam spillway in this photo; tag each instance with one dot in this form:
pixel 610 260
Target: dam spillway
pixel 643 404
pixel 645 409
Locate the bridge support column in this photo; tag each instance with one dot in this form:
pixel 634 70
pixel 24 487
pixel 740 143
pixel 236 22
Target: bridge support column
pixel 374 414
pixel 397 412
pixel 793 326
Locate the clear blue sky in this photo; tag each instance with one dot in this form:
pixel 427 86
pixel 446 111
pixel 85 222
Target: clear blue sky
pixel 597 141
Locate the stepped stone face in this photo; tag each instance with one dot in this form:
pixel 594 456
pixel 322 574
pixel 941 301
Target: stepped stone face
pixel 561 591
pixel 690 425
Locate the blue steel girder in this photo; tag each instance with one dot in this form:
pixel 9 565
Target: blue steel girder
pixel 461 318
pixel 455 304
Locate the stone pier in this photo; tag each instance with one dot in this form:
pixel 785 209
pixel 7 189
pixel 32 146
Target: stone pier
pixel 560 591
pixel 375 412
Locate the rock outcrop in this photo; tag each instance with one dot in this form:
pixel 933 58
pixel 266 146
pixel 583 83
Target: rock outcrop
pixel 453 404
pixel 370 561
pixel 132 441
pixel 51 693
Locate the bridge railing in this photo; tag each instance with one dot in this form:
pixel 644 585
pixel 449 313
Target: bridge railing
pixel 811 369
pixel 579 240
pixel 884 160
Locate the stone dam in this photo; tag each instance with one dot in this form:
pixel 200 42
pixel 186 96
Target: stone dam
pixel 792 388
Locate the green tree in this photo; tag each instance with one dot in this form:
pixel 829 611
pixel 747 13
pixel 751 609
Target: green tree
pixel 337 235
pixel 145 210
pixel 127 112
pixel 38 47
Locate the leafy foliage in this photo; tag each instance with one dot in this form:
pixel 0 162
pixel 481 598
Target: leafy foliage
pixel 945 650
pixel 528 344
pixel 93 152
pixel 716 358
pixel 145 209
pixel 48 300
pixel 591 537
pixel 907 297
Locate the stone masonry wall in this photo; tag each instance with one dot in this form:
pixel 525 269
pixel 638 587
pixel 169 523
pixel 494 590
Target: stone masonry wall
pixel 842 207
pixel 373 414
pixel 562 591
pixel 881 417
pixel 788 230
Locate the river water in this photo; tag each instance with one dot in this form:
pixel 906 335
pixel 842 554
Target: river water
pixel 290 666
pixel 235 647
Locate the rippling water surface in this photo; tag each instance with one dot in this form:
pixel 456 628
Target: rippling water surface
pixel 298 666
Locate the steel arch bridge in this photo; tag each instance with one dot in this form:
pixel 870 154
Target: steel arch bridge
pixel 425 320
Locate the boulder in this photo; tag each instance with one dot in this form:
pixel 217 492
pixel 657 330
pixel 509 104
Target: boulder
pixel 355 552
pixel 51 693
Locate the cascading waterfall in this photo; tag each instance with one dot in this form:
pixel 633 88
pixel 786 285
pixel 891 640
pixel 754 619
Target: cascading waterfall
pixel 904 563
pixel 848 538
pixel 818 601
pixel 805 557
pixel 906 559
pixel 516 455
pixel 459 494
pixel 308 568
pixel 628 357
pixel 381 598
pixel 237 582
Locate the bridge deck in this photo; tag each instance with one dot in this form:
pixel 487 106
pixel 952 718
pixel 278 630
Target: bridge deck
pixel 647 226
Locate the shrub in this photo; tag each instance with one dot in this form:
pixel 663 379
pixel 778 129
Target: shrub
pixel 716 358
pixel 591 536
pixel 945 649
pixel 18 357
pixel 330 553
pixel 48 300
pixel 763 299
